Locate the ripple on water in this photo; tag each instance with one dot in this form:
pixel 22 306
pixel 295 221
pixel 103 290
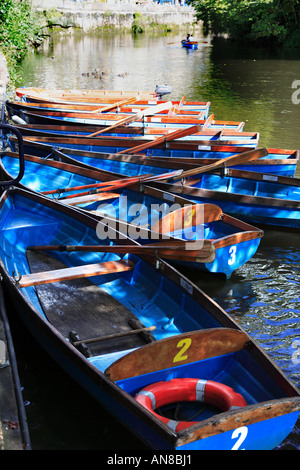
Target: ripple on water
pixel 263 297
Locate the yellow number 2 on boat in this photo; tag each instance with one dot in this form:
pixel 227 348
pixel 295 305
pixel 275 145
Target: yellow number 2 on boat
pixel 184 344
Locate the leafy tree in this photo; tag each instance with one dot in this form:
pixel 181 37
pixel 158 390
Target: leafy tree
pixel 273 21
pixel 18 29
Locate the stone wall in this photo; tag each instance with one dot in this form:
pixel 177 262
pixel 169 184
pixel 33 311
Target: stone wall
pixel 89 15
pixel 4 78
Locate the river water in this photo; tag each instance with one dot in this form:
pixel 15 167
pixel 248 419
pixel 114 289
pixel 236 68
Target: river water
pixel 242 83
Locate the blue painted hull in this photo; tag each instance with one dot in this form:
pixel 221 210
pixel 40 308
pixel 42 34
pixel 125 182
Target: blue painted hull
pixel 159 296
pixel 264 203
pixel 261 200
pixel 275 163
pixel 189 45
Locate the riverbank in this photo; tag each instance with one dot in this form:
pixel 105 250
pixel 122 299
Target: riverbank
pixel 91 16
pixel 4 79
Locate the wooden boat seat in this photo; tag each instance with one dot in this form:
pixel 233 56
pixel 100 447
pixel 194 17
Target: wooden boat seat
pixel 177 350
pixel 75 272
pixel 82 306
pixel 72 201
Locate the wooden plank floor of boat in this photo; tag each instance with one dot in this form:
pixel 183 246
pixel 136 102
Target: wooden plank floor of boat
pixel 80 305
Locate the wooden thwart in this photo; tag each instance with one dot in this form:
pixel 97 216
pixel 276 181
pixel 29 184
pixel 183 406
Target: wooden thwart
pixel 195 251
pixel 76 272
pixel 188 216
pixel 167 353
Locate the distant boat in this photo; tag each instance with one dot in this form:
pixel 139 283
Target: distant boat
pixel 189 44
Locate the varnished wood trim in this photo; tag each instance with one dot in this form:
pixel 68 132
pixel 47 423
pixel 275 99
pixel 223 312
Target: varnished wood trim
pixel 161 354
pixel 75 272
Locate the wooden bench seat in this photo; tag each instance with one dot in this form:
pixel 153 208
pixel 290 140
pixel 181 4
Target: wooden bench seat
pixel 75 272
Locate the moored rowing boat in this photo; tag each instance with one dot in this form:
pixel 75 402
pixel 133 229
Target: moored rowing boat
pixel 99 338
pixel 183 155
pixel 258 198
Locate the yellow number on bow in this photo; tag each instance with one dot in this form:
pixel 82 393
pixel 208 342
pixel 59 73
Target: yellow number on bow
pixel 184 344
pixel 189 217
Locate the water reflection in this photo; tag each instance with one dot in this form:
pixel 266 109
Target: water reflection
pixel 264 297
pixel 242 83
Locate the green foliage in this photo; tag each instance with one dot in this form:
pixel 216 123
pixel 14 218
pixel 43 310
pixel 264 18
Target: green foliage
pixel 272 21
pixel 139 23
pixel 18 28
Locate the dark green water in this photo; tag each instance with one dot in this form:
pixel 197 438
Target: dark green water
pixel 243 84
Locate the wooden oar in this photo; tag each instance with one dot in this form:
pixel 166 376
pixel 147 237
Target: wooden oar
pixel 132 179
pixel 135 117
pixel 118 184
pixel 171 249
pixel 164 138
pixel 119 103
pixel 233 160
pixel 208 121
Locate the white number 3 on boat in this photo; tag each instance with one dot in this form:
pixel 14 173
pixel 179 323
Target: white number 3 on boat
pixel 232 252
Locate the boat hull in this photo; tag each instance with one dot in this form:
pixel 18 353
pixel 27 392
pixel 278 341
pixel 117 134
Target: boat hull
pixel 246 202
pixel 285 166
pixel 269 212
pixel 278 161
pixel 189 44
pixel 263 435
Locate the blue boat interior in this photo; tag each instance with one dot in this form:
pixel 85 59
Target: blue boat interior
pixel 43 178
pixel 142 292
pixel 236 370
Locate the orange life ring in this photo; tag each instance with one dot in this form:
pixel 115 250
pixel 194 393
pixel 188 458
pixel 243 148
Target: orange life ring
pixel 162 393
